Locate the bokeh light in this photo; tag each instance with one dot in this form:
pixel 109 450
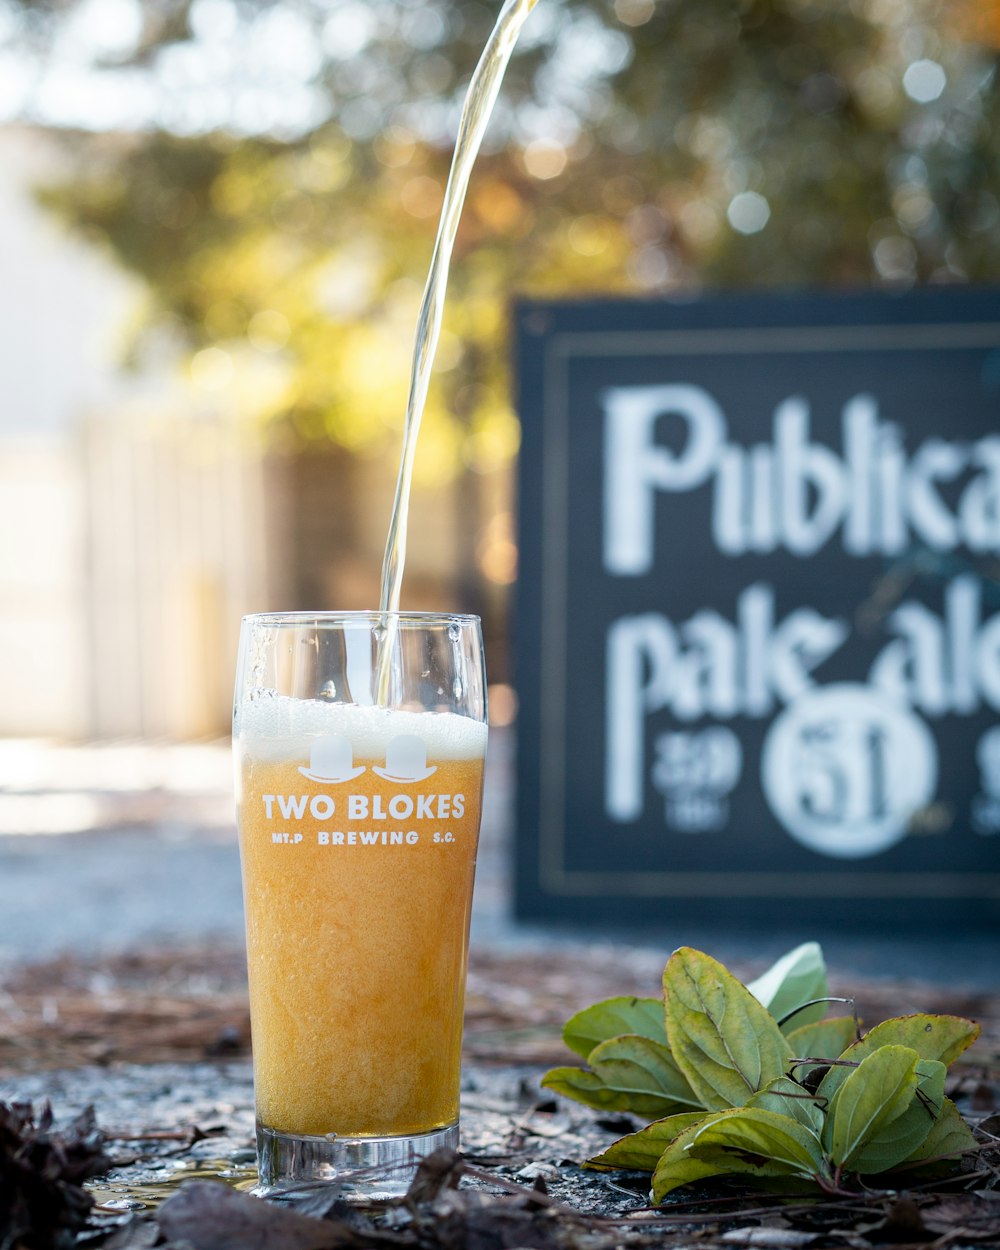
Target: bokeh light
pixel 748 212
pixel 924 81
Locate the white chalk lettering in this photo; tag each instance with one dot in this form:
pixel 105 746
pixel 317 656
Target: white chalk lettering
pixel 636 465
pixel 793 493
pixel 942 664
pixel 707 666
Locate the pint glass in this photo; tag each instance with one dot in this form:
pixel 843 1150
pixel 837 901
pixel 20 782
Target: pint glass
pixel 360 739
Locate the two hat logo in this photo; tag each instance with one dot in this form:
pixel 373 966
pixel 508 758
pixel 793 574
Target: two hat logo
pixel 331 761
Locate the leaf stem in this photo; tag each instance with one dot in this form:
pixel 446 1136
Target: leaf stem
pixel 815 1002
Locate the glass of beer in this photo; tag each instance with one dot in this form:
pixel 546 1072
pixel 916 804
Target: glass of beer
pixel 360 739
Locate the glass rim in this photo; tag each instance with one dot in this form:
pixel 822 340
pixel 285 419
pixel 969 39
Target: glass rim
pixel 369 616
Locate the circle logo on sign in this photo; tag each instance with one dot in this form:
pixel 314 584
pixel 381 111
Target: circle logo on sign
pixel 844 769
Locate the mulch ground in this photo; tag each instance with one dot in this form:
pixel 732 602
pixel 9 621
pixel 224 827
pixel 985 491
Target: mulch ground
pixel 165 1006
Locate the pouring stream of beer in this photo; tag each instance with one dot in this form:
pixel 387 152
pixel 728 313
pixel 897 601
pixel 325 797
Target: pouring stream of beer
pixel 480 98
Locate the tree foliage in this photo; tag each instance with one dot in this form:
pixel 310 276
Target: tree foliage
pixel 645 146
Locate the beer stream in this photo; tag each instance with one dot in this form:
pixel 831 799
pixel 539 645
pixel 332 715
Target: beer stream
pixel 480 98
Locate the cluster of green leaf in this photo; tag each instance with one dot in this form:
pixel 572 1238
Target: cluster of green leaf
pixel 753 1080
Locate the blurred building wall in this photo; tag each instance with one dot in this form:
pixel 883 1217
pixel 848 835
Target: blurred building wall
pixel 60 306
pixel 137 526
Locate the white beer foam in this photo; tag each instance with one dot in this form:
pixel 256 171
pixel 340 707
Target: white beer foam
pixel 272 726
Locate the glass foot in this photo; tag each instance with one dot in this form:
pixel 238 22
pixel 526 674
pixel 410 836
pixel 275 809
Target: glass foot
pixel 364 1167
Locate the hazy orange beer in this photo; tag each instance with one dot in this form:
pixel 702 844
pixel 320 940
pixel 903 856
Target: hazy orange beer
pixel 358 833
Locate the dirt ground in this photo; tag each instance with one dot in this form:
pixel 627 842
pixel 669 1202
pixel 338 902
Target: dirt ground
pixel 191 1004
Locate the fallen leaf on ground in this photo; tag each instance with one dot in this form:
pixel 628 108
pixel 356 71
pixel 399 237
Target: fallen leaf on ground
pixel 208 1215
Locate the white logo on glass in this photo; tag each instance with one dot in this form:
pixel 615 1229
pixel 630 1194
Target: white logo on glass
pixel 331 761
pixel 406 760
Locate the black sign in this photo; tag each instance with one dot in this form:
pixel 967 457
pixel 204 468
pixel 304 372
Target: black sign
pixel 758 630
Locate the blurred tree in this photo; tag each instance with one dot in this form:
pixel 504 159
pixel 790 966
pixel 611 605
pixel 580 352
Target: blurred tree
pixel 640 146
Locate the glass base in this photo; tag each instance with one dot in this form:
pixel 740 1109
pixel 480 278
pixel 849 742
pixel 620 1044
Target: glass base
pixel 363 1167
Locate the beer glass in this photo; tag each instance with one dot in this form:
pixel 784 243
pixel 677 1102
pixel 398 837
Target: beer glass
pixel 360 739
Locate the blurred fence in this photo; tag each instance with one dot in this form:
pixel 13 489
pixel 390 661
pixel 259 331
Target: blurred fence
pixel 131 546
pixel 129 551
pixel 180 542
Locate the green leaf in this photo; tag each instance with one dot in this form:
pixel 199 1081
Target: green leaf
pixel 897 1140
pixel 758 1142
pixel 746 1140
pixel 586 1087
pixel 933 1037
pixel 949 1136
pixel 724 1042
pixel 612 1018
pixel 796 978
pixel 785 1097
pixel 875 1094
pixel 827 1039
pixel 629 1073
pixel 641 1151
pixel 590 1089
pixel 644 1068
pixel 942 1038
pixel 678 1167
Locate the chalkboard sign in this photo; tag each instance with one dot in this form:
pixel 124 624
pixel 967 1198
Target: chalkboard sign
pixel 758 624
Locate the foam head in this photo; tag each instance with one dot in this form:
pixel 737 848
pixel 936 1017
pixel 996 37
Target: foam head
pixel 273 726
